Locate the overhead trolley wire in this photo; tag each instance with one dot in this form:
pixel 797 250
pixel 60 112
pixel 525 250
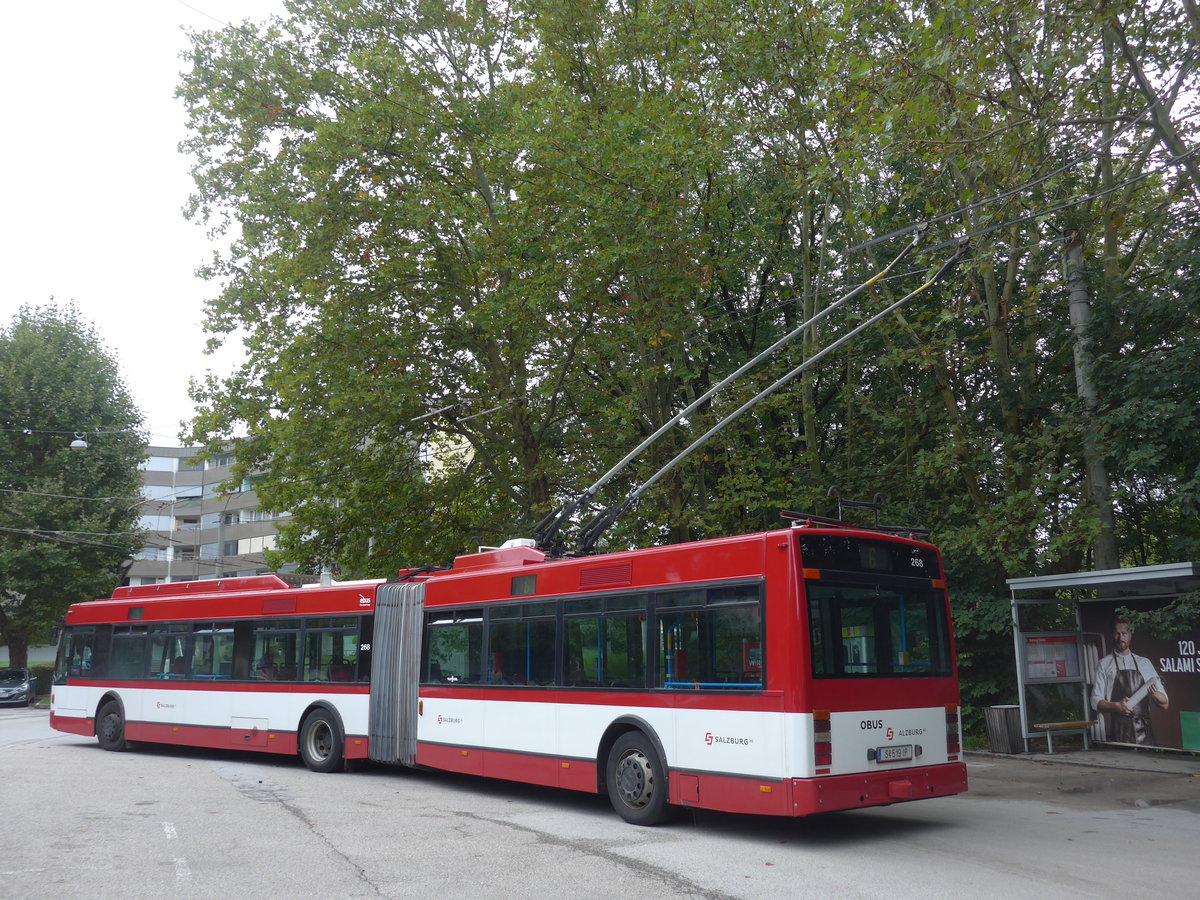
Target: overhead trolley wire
pixel 546 530
pixel 1076 201
pixel 591 533
pixel 1090 153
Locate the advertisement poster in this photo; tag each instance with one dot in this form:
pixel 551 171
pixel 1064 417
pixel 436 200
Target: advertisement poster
pixel 1144 688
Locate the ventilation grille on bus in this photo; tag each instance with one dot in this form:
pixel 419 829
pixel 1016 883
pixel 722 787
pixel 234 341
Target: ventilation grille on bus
pixel 603 576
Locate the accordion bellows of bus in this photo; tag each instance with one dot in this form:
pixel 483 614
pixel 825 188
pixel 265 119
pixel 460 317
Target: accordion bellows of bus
pixel 796 671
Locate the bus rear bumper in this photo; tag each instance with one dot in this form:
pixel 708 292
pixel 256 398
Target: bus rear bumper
pixel 830 793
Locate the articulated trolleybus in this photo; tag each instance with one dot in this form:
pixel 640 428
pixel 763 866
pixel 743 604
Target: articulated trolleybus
pixel 801 670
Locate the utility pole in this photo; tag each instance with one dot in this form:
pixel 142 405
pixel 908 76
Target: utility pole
pixel 1079 306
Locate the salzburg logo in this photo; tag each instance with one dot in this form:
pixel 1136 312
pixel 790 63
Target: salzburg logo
pixel 710 739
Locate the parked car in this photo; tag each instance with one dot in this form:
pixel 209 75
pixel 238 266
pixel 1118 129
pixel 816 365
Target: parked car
pixel 16 687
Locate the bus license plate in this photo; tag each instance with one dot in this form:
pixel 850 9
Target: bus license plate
pixel 894 754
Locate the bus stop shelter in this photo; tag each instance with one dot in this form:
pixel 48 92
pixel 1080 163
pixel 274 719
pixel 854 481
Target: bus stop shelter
pixel 1063 627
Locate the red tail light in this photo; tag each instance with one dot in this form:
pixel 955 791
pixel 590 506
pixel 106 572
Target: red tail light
pixel 822 739
pixel 952 744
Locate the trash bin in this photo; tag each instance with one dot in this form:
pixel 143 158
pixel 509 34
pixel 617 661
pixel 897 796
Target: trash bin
pixel 1004 729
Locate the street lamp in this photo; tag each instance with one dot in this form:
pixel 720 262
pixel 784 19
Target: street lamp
pixel 79 443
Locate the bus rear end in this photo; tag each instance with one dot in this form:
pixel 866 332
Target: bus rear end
pixel 880 683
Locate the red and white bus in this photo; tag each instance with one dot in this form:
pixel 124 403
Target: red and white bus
pixel 800 670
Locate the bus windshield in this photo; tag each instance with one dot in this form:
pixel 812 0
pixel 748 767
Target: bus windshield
pixel 879 630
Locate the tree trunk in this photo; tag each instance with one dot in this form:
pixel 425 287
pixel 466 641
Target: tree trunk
pixel 18 654
pixel 1080 312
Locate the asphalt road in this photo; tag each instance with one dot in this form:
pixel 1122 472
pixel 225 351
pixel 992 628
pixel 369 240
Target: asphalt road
pixel 167 822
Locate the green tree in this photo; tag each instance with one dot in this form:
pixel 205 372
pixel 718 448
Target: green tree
pixel 67 517
pixel 427 211
pixel 558 223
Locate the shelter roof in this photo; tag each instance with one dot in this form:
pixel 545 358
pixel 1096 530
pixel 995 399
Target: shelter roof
pixel 1139 581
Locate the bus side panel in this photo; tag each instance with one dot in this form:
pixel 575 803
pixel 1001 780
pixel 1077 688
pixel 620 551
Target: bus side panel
pixel 210 737
pixel 546 742
pixel 238 716
pixel 503 727
pixel 67 721
pixel 73 708
pixel 451 758
pixel 739 743
pixel 705 790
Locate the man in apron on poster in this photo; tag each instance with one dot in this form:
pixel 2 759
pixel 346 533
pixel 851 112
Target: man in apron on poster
pixel 1125 685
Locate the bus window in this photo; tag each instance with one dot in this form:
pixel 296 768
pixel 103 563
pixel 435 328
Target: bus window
pixel 716 644
pixel 711 648
pixel 877 631
pixel 276 650
pixel 243 650
pixel 521 652
pixel 330 653
pixel 74 654
pixel 128 657
pixel 365 637
pixel 213 652
pixel 170 651
pixel 584 660
pixel 605 652
pixel 454 647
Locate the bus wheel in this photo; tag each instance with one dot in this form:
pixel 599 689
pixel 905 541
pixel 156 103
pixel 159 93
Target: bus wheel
pixel 321 742
pixel 110 726
pixel 637 781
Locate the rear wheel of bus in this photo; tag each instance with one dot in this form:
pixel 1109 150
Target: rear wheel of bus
pixel 321 741
pixel 637 780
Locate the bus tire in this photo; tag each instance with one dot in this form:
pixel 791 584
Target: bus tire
pixel 110 727
pixel 637 780
pixel 321 742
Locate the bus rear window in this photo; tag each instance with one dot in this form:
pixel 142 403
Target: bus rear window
pixel 877 631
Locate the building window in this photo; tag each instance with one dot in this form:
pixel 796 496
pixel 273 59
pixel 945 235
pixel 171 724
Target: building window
pixel 256 545
pixel 158 464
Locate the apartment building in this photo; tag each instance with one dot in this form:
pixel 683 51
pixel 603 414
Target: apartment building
pixel 199 525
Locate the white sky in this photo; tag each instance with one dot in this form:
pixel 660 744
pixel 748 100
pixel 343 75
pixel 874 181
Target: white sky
pixel 94 184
